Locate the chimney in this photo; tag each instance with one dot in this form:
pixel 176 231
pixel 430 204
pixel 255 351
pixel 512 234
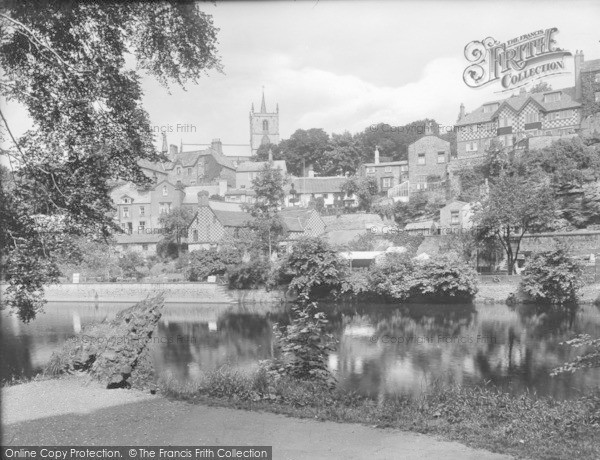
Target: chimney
pixel 172 149
pixel 461 114
pixel 376 155
pixel 270 154
pixel 203 198
pixel 217 146
pixel 577 67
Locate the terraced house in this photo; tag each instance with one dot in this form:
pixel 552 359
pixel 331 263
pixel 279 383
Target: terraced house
pixel 549 114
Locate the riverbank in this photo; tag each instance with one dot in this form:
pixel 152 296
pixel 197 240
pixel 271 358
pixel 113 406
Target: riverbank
pixel 182 292
pixel 492 292
pixel 74 411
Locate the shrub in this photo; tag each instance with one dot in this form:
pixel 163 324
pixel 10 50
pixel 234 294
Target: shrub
pixel 209 262
pixel 444 277
pixel 133 265
pixel 313 268
pixel 392 277
pixel 304 345
pixel 249 275
pixel 552 277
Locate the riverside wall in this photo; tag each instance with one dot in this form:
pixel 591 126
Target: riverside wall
pixel 173 292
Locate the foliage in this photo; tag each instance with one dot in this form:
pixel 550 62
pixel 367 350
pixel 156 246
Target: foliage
pixel 585 361
pixel 249 275
pixel 313 268
pixel 553 277
pixel 66 64
pixel 381 242
pixel 305 147
pixel 210 262
pixel 515 205
pixel 471 181
pixel 399 278
pixel 304 345
pixel 93 259
pixel 422 205
pixel 175 224
pixel 133 265
pixel 364 188
pixel 541 87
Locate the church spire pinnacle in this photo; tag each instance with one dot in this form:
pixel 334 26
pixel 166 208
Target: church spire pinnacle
pixel 263 106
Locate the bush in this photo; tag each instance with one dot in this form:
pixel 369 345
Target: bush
pixel 249 275
pixel 313 268
pixel 304 345
pixel 553 277
pixel 209 262
pixel 400 278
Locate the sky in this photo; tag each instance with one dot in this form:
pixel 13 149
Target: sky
pixel 343 66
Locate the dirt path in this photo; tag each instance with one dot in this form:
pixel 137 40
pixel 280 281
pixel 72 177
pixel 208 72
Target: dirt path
pixel 73 412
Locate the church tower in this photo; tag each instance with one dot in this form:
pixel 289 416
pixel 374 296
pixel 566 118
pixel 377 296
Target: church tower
pixel 264 126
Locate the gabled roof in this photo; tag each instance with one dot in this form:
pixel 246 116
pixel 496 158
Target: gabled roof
pixel 189 159
pixel 456 202
pixel 518 102
pixel 294 220
pixel 233 218
pixel 331 184
pixel 256 166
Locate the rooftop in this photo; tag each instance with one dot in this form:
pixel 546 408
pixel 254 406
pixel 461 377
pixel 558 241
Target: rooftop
pixel 331 184
pixel 256 166
pixel 423 225
pixel 138 238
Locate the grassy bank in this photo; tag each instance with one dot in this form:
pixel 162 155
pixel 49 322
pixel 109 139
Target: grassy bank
pixel 525 426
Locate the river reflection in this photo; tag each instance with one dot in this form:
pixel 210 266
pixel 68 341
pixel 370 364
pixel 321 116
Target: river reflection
pixel 381 350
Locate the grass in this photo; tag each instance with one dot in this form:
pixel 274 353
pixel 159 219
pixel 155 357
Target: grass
pixel 523 426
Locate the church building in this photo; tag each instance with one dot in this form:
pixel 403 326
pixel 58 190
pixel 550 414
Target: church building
pixel 264 126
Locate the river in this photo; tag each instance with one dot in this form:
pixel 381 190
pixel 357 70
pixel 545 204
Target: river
pixel 381 349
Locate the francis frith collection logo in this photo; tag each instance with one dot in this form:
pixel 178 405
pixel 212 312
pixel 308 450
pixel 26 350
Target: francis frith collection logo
pixel 515 62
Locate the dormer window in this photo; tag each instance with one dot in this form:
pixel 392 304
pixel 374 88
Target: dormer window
pixel 552 97
pixel 489 108
pixel 126 200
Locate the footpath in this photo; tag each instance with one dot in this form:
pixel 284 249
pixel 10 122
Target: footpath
pixel 74 411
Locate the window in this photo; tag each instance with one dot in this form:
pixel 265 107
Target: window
pixel 454 218
pixel 560 115
pixel 597 93
pixel 189 171
pixel 532 117
pixel 503 122
pixel 193 182
pixel 265 125
pixel 325 196
pixel 125 212
pixel 195 236
pixel 164 208
pixel 142 226
pixel 388 169
pixel 421 159
pixel 441 158
pixel 142 211
pixel 552 97
pixel 179 170
pixel 471 147
pixel 126 200
pixel 370 170
pixel 165 191
pixel 144 247
pixel 386 182
pixel 489 108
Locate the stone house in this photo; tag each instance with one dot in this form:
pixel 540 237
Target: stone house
pixel 139 208
pixel 456 216
pixel 389 174
pixel 428 158
pixel 247 171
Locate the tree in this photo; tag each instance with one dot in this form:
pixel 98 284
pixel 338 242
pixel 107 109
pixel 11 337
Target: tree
pixel 365 189
pixel 541 87
pixel 175 224
pixel 303 148
pixel 269 187
pixel 65 63
pixel 515 205
pixel 344 155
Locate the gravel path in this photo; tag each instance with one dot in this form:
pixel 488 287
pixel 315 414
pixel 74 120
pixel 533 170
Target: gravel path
pixel 74 411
